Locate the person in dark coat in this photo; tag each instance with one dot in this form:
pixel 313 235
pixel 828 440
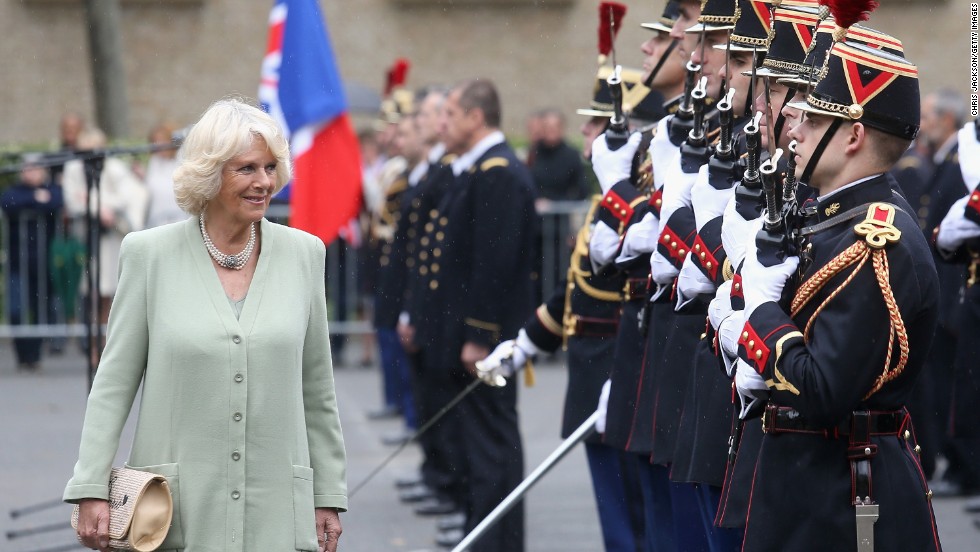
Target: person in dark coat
pixel 558 172
pixel 833 361
pixel 31 206
pixel 480 277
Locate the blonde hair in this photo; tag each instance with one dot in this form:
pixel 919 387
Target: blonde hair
pixel 226 130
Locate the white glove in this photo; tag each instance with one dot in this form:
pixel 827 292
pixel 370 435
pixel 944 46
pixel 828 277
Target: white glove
pixel 735 233
pixel 507 358
pixel 708 202
pixel 752 389
pixel 956 228
pixel 600 422
pixel 662 152
pixel 640 238
pixel 761 284
pixel 691 282
pixel 969 150
pixel 610 166
pixel 603 246
pixel 728 324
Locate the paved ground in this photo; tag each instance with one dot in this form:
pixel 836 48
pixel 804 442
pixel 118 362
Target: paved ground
pixel 40 418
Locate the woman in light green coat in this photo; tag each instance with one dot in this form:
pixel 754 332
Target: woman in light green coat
pixel 238 409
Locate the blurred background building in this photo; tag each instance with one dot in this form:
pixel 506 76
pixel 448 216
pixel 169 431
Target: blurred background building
pixel 180 55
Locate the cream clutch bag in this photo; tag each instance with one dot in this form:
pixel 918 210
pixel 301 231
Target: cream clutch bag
pixel 140 510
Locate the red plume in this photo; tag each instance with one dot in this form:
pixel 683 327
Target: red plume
pixel 397 75
pixel 849 12
pixel 614 12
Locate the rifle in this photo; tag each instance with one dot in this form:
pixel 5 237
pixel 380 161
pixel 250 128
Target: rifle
pixel 694 150
pixel 618 132
pixel 682 123
pixel 774 240
pixel 722 165
pixel 748 195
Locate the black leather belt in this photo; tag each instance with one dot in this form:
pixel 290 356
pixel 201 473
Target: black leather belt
pixel 594 327
pixel 635 289
pixel 782 419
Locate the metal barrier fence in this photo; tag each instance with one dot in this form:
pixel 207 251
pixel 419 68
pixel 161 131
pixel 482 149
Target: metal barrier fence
pixel 41 277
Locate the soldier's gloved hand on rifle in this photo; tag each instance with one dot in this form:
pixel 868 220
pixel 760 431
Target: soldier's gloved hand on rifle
pixel 603 407
pixel 728 324
pixel 509 357
pixel 610 166
pixel 752 390
pixel 956 228
pixel 736 234
pixel 761 284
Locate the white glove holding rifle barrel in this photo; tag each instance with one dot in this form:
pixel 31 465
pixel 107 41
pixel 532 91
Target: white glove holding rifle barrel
pixel 613 166
pixel 509 357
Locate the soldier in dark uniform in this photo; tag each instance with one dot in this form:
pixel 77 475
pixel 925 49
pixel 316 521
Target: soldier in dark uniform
pixel 957 240
pixel 480 276
pixel 836 363
pixel 583 316
pixel 797 51
pixel 621 241
pixel 943 113
pixel 700 456
pixel 443 474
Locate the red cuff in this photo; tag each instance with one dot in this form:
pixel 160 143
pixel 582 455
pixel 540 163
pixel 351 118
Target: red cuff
pixel 704 256
pixel 756 350
pixel 620 208
pixel 674 244
pixel 737 286
pixel 656 201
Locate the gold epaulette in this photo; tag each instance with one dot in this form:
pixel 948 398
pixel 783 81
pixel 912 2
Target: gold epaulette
pixel 493 162
pixel 448 158
pixel 878 227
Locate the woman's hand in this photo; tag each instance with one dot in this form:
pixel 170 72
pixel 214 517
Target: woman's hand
pixel 328 529
pixel 93 524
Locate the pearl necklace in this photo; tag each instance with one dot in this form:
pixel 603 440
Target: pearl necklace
pixel 229 261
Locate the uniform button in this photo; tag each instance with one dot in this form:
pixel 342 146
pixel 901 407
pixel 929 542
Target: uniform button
pixel 697 247
pixel 437 253
pixel 239 378
pixel 708 266
pixel 435 268
pixel 236 456
pixel 440 236
pixel 443 221
pixel 751 344
pixel 673 244
pixel 237 416
pixel 236 339
pixel 745 335
pixel 682 252
pixel 423 271
pixel 758 354
pixel 410 263
pixel 424 255
pixel 433 285
pixel 666 237
pixel 659 202
pixel 384 261
pixel 429 227
pixel 425 241
pixel 703 255
pixel 433 214
pixel 236 495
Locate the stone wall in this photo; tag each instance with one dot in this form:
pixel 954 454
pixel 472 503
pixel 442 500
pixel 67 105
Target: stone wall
pixel 182 54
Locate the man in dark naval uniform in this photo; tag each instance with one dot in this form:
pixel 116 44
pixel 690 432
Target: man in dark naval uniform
pixel 479 274
pixel 837 359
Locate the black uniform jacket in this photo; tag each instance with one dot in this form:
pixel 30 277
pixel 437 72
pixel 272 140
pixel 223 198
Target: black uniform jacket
pixel 824 363
pixel 482 240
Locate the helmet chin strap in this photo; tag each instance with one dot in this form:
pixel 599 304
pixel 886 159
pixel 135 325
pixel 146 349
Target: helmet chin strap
pixel 811 163
pixel 780 118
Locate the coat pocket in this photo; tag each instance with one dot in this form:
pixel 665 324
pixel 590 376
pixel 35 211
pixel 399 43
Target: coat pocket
pixel 175 536
pixel 304 516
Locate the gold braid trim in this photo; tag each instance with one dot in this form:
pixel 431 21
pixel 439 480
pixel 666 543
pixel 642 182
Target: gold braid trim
pixel 858 255
pixel 809 288
pixel 897 329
